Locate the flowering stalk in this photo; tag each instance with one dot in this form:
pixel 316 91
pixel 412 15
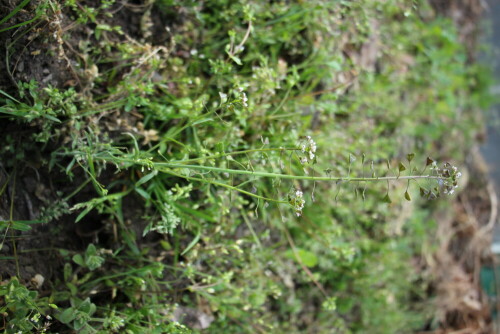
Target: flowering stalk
pixel 162 166
pixel 446 177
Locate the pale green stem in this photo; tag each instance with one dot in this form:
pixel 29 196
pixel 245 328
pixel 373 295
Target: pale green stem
pixel 225 186
pixel 161 165
pixel 167 167
pixel 178 164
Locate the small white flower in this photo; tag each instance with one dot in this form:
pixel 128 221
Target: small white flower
pixel 297 201
pixel 309 148
pixel 223 97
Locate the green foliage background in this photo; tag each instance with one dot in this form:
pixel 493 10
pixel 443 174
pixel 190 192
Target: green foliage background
pixel 375 78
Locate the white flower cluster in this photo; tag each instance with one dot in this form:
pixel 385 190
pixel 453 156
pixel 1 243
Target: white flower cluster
pixel 452 175
pixel 449 177
pixel 223 97
pixel 169 220
pixel 239 94
pixel 308 148
pixel 296 199
pixel 244 98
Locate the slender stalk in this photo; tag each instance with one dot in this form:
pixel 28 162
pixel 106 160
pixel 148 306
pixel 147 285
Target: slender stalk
pixel 164 166
pixel 225 186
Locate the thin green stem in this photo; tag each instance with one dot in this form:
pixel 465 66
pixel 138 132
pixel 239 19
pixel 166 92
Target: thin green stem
pixel 223 185
pixel 77 190
pixel 162 165
pixel 282 101
pixel 166 166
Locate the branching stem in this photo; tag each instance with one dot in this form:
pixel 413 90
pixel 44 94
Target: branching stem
pixel 162 165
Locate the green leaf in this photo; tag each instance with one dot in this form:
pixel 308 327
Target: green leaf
pixel 193 242
pixel 14 11
pixel 78 259
pixel 386 199
pixel 410 157
pixel 20 225
pixel 17 225
pixel 407 196
pixel 219 147
pixel 93 262
pixel 401 167
pixel 165 245
pixel 52 118
pixel 87 306
pixel 237 60
pixel 142 192
pixel 330 304
pixel 67 271
pixel 83 213
pixel 146 178
pixel 307 258
pixel 7 95
pixel 91 250
pixel 72 288
pixel 67 315
pixel 195 213
pixel 79 323
pixel 92 309
pixel 204 120
pixel 257 298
